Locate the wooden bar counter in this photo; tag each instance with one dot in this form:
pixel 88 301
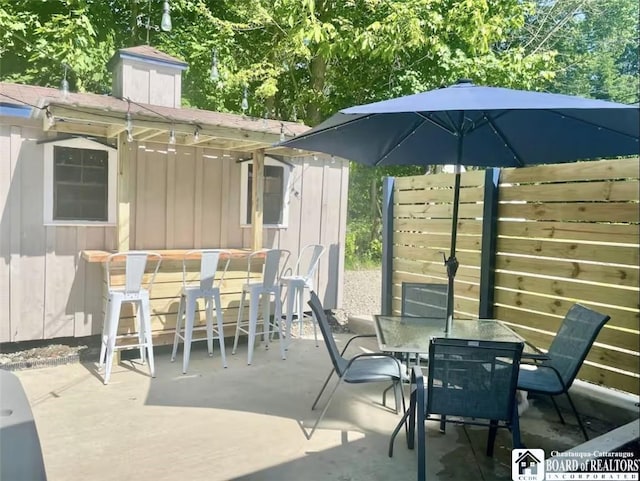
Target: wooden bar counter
pixel 166 288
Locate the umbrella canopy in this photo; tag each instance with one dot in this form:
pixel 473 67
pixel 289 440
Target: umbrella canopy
pixel 471 125
pixel 477 126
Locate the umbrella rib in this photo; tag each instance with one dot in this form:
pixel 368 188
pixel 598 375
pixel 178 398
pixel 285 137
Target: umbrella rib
pixel 594 124
pixel 437 124
pixel 507 144
pixel 333 127
pixel 398 144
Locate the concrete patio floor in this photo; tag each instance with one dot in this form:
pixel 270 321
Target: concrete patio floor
pixel 246 423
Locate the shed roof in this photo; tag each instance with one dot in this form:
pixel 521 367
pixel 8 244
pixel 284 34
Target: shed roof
pixel 147 52
pixel 104 116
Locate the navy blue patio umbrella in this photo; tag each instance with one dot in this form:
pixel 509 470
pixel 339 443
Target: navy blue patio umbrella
pixel 471 125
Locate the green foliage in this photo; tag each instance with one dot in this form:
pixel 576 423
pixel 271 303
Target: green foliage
pixel 306 59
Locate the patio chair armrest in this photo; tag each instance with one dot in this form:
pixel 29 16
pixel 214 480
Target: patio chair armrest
pixel 546 366
pixel 355 337
pixel 376 354
pixel 536 358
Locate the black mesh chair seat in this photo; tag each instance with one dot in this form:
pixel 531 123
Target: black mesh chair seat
pixel 540 379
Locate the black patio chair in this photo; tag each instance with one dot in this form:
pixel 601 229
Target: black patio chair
pixel 555 374
pixel 362 368
pixel 468 382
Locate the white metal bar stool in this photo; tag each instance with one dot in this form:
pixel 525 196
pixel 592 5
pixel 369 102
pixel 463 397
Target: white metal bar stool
pixel 274 262
pixel 207 287
pixel 301 279
pixel 133 291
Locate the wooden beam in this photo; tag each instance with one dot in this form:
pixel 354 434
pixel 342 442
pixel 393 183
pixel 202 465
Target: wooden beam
pixel 180 127
pixel 257 205
pixel 124 194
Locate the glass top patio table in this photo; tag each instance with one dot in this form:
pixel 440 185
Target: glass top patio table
pixel 412 334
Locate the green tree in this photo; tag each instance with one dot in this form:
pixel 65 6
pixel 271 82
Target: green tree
pixel 596 43
pixel 298 59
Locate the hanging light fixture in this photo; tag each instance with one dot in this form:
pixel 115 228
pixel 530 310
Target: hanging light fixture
pixel 215 74
pixel 245 101
pixel 165 23
pixel 128 123
pixel 64 85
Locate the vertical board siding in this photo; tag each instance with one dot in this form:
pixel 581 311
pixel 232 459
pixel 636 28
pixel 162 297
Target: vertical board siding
pixel 566 233
pixel 44 287
pixel 6 176
pixel 183 198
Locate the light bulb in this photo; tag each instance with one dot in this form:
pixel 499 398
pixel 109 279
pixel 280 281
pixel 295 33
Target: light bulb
pixel 165 23
pixel 129 136
pixel 172 136
pixel 64 88
pixel 282 136
pixel 196 135
pixel 215 74
pixel 128 123
pixel 245 101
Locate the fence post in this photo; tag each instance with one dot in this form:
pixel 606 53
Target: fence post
pixel 387 245
pixel 489 242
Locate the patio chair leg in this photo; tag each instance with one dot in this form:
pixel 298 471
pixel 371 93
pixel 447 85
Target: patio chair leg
pixel 491 440
pixel 515 430
pixel 324 409
pixel 396 430
pixel 322 389
pixel 557 409
pixel 575 412
pixel 384 396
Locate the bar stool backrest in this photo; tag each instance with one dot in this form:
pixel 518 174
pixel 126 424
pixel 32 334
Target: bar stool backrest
pixel 275 261
pixel 135 263
pixel 310 255
pixel 209 262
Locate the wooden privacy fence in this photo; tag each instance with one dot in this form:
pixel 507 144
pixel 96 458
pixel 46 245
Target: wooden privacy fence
pixel 557 235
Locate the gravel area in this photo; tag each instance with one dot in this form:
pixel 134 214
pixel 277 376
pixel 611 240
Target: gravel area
pixel 361 295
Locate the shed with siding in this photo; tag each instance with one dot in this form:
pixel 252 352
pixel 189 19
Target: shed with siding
pixel 172 179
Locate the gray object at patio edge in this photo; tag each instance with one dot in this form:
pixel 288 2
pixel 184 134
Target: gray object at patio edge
pixel 469 125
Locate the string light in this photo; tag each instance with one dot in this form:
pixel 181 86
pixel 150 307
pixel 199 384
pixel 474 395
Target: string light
pixel 196 134
pixel 215 74
pixel 282 136
pixel 245 101
pixel 165 23
pixel 129 127
pixel 172 136
pixel 64 85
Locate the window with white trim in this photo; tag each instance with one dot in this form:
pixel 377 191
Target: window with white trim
pixel 79 182
pixel 276 193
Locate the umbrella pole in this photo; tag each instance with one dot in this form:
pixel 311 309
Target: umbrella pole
pixel 452 262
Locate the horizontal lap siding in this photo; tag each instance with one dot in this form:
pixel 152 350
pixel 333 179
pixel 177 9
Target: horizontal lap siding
pixel 566 233
pixel 423 208
pixel 569 233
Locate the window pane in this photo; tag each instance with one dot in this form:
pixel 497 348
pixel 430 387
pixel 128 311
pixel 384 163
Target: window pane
pixel 273 194
pixel 80 184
